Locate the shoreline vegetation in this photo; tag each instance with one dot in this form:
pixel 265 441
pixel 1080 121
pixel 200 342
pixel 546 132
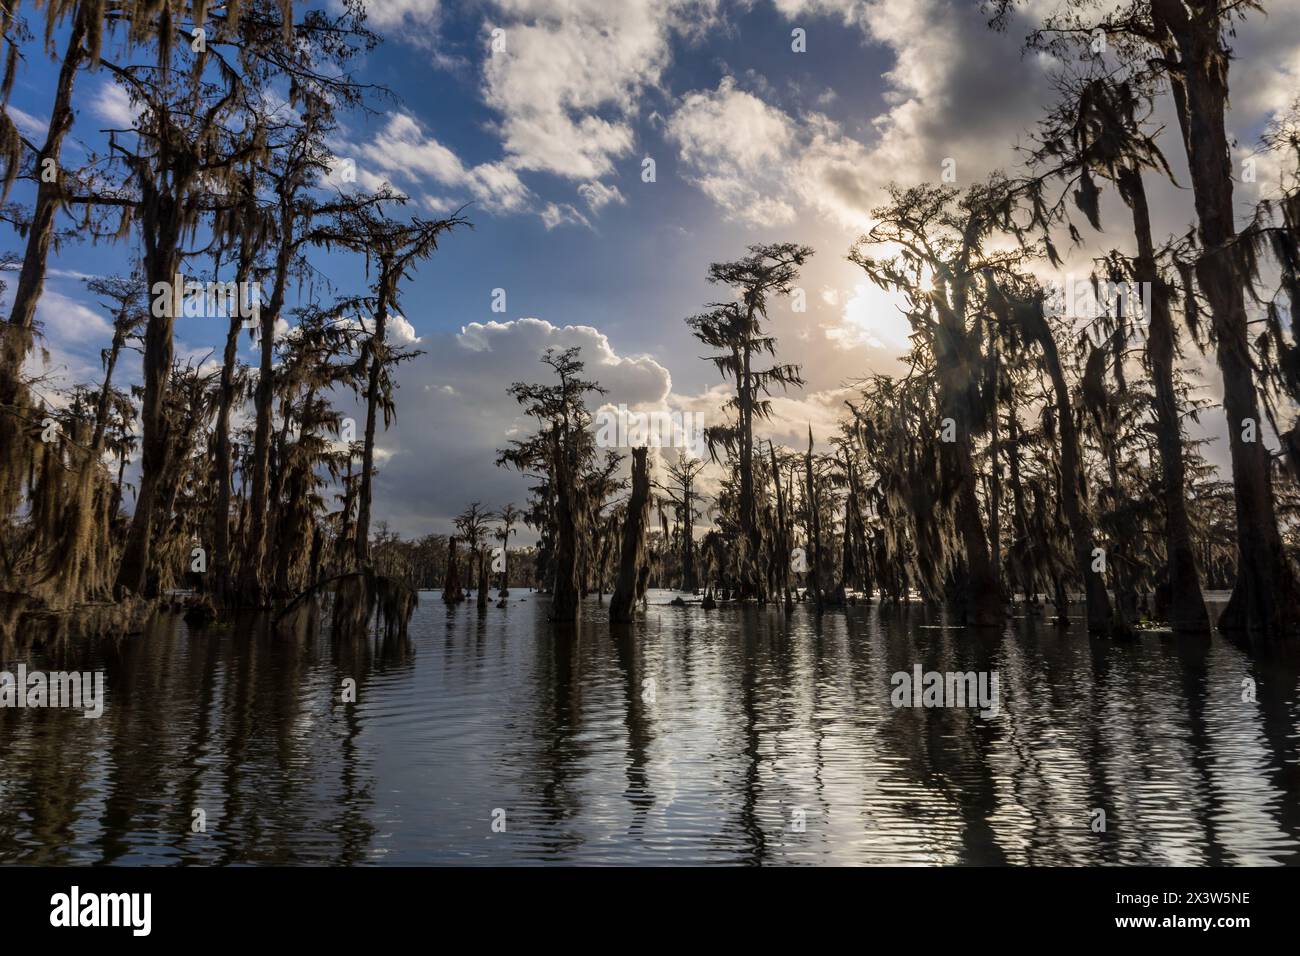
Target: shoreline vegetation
pixel 1027 453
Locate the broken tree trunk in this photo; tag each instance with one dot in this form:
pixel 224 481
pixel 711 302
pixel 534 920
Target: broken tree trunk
pixel 631 554
pixel 451 592
pixel 482 581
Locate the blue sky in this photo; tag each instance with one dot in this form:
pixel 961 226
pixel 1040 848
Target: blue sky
pixel 752 142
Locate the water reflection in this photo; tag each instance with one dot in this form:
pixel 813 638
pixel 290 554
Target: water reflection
pixel 729 736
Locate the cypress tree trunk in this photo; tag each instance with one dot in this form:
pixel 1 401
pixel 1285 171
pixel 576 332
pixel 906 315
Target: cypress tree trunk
pixel 690 580
pixel 31 278
pixel 482 580
pixel 631 551
pixel 16 335
pixel 1125 598
pixel 451 593
pixel 855 573
pixel 565 605
pixel 782 533
pixel 982 605
pixel 981 602
pixel 1072 487
pixel 251 579
pixel 1027 587
pixel 106 389
pixel 814 526
pixel 220 515
pixel 1265 597
pixel 995 466
pixel 368 450
pixel 1186 604
pixel 750 579
pixel 161 228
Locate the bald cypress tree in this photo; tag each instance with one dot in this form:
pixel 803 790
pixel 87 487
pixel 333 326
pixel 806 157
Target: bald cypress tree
pixel 944 268
pixel 735 331
pixel 1098 130
pixel 560 451
pixel 1186 42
